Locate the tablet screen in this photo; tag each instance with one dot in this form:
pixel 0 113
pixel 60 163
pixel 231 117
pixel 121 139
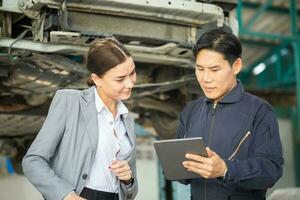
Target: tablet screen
pixel 171 154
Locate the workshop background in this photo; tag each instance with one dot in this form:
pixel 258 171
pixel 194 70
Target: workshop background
pixel 42 49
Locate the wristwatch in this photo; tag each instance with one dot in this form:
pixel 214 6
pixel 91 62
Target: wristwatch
pixel 128 182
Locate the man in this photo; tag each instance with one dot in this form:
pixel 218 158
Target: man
pixel 240 130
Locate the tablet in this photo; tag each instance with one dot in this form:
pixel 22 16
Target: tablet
pixel 171 154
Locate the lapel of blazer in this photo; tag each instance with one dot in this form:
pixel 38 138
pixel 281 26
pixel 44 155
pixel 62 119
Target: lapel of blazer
pixel 90 115
pixel 129 128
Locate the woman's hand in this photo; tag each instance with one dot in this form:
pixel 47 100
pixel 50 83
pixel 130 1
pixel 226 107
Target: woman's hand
pixel 73 196
pixel 121 169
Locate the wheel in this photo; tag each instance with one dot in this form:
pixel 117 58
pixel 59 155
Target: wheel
pixel 22 147
pixel 17 165
pixel 165 124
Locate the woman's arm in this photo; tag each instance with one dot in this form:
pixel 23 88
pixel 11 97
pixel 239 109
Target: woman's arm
pixel 36 163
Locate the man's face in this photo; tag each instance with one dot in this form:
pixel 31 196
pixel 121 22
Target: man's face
pixel 214 74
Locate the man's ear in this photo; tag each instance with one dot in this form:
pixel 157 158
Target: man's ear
pixel 96 79
pixel 237 66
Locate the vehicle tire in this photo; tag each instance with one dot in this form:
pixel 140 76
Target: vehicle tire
pixel 165 124
pixel 17 165
pixel 22 148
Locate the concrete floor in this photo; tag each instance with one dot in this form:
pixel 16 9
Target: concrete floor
pixel 16 187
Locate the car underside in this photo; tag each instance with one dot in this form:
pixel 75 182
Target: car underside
pixel 43 48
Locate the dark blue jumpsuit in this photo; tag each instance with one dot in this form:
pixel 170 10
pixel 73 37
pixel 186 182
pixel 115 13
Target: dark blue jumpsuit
pixel 243 130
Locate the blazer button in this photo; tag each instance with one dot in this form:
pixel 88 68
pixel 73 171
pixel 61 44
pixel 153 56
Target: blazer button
pixel 84 176
pixel 129 196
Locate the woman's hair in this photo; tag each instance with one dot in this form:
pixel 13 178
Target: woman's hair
pixel 220 41
pixel 105 54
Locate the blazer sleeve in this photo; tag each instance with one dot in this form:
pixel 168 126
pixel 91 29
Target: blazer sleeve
pixel 130 191
pixel 36 162
pixel 264 165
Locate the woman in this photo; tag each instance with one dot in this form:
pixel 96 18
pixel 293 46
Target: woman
pixel 85 148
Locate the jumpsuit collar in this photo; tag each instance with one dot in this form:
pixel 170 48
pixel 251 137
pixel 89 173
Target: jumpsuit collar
pixel 233 96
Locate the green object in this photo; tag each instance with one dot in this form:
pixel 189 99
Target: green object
pixel 261 9
pixel 282 63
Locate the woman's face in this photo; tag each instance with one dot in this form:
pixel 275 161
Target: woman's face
pixel 117 83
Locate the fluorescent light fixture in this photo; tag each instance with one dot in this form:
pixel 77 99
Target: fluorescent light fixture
pixel 259 69
pixel 273 59
pixel 284 52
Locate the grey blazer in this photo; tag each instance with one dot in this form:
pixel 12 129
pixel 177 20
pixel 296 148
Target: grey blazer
pixel 60 158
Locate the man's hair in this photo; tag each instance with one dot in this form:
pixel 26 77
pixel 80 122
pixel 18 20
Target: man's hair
pixel 220 41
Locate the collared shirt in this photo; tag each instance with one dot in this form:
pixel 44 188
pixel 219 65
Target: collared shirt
pixel 113 143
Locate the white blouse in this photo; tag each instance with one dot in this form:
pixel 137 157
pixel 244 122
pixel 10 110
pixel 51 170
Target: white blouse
pixel 110 146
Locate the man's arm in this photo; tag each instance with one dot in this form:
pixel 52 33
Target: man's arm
pixel 264 166
pixel 260 170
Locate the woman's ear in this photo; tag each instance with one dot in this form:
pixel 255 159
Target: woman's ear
pixel 237 66
pixel 96 79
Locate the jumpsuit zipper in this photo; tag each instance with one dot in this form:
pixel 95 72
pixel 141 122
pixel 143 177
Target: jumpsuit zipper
pixel 210 136
pixel 239 145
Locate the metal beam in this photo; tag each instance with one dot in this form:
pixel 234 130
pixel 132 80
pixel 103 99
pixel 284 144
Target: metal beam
pixel 239 13
pixel 269 36
pixel 264 43
pixel 246 30
pixel 274 9
pixel 140 54
pixel 294 17
pixel 258 13
pixel 296 48
pixel 265 57
pixel 178 12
